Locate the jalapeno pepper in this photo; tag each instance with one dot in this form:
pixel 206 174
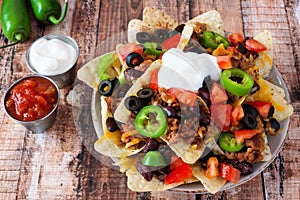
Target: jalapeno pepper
pixel 15 20
pixel 236 81
pixel 48 11
pixel 154 159
pixel 213 40
pixel 228 142
pixel 151 48
pixel 151 121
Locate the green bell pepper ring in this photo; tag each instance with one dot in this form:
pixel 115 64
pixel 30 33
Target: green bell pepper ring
pixel 236 81
pixel 15 21
pixel 228 142
pixel 151 49
pixel 154 159
pixel 151 121
pixel 48 11
pixel 213 40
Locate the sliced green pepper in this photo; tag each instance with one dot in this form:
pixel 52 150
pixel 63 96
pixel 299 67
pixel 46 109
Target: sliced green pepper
pixel 154 159
pixel 213 40
pixel 151 121
pixel 236 81
pixel 228 142
pixel 151 48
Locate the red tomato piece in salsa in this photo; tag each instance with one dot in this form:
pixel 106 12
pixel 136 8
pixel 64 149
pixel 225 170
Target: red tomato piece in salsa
pixel 31 99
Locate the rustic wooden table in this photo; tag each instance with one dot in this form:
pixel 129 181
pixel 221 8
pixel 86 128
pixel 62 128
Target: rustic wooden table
pixel 57 164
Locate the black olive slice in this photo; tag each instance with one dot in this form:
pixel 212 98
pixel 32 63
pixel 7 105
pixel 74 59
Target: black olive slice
pixel 271 111
pixel 143 37
pixel 133 103
pixel 145 95
pixel 249 121
pixel 274 124
pixel 250 109
pixel 160 35
pixel 106 87
pixel 134 59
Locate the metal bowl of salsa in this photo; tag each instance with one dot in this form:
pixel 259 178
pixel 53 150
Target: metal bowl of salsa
pixel 32 101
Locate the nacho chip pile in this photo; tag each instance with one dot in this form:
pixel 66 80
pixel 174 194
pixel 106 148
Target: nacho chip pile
pixel 203 153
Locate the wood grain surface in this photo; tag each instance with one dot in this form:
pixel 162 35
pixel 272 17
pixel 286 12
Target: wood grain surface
pixel 61 162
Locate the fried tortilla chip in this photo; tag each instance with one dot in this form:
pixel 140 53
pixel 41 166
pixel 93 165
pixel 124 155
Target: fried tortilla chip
pixel 274 94
pixel 101 67
pixel 156 18
pixel 212 19
pixel 109 143
pixel 212 186
pixel 265 58
pixel 137 183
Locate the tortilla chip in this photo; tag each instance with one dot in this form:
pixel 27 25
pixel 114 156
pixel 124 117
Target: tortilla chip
pixel 265 58
pixel 213 186
pixel 108 144
pixel 155 18
pixel 212 19
pixel 134 26
pixel 137 183
pixel 108 63
pixel 183 150
pixel 274 94
pixel 122 114
pixel 185 36
pixel 267 154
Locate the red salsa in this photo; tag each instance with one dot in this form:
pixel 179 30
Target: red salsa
pixel 31 99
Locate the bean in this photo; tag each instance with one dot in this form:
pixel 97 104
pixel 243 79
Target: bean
pixel 111 124
pixel 152 145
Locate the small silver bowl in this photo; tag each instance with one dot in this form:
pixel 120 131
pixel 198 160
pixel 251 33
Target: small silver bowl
pixel 41 124
pixel 64 78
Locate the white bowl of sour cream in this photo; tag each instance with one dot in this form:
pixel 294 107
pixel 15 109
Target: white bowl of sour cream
pixel 54 56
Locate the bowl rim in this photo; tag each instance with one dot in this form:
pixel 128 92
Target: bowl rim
pixel 62 38
pixel 24 78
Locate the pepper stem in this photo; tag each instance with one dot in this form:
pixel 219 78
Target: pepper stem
pixel 62 17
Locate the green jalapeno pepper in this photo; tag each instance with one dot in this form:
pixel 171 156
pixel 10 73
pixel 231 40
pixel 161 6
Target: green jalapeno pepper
pixel 151 121
pixel 236 81
pixel 228 142
pixel 48 11
pixel 15 20
pixel 151 48
pixel 154 159
pixel 213 40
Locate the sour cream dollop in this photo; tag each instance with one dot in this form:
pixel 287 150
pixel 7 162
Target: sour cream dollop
pixel 187 70
pixel 51 56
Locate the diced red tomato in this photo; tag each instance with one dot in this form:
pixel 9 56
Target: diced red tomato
pixel 218 94
pixel 236 115
pixel 129 48
pixel 262 107
pixel 235 38
pixel 220 114
pixel 171 42
pixel 185 96
pixel 176 162
pixel 242 135
pixel 254 45
pixel 212 170
pixel 224 62
pixel 154 80
pixel 179 174
pixel 229 173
